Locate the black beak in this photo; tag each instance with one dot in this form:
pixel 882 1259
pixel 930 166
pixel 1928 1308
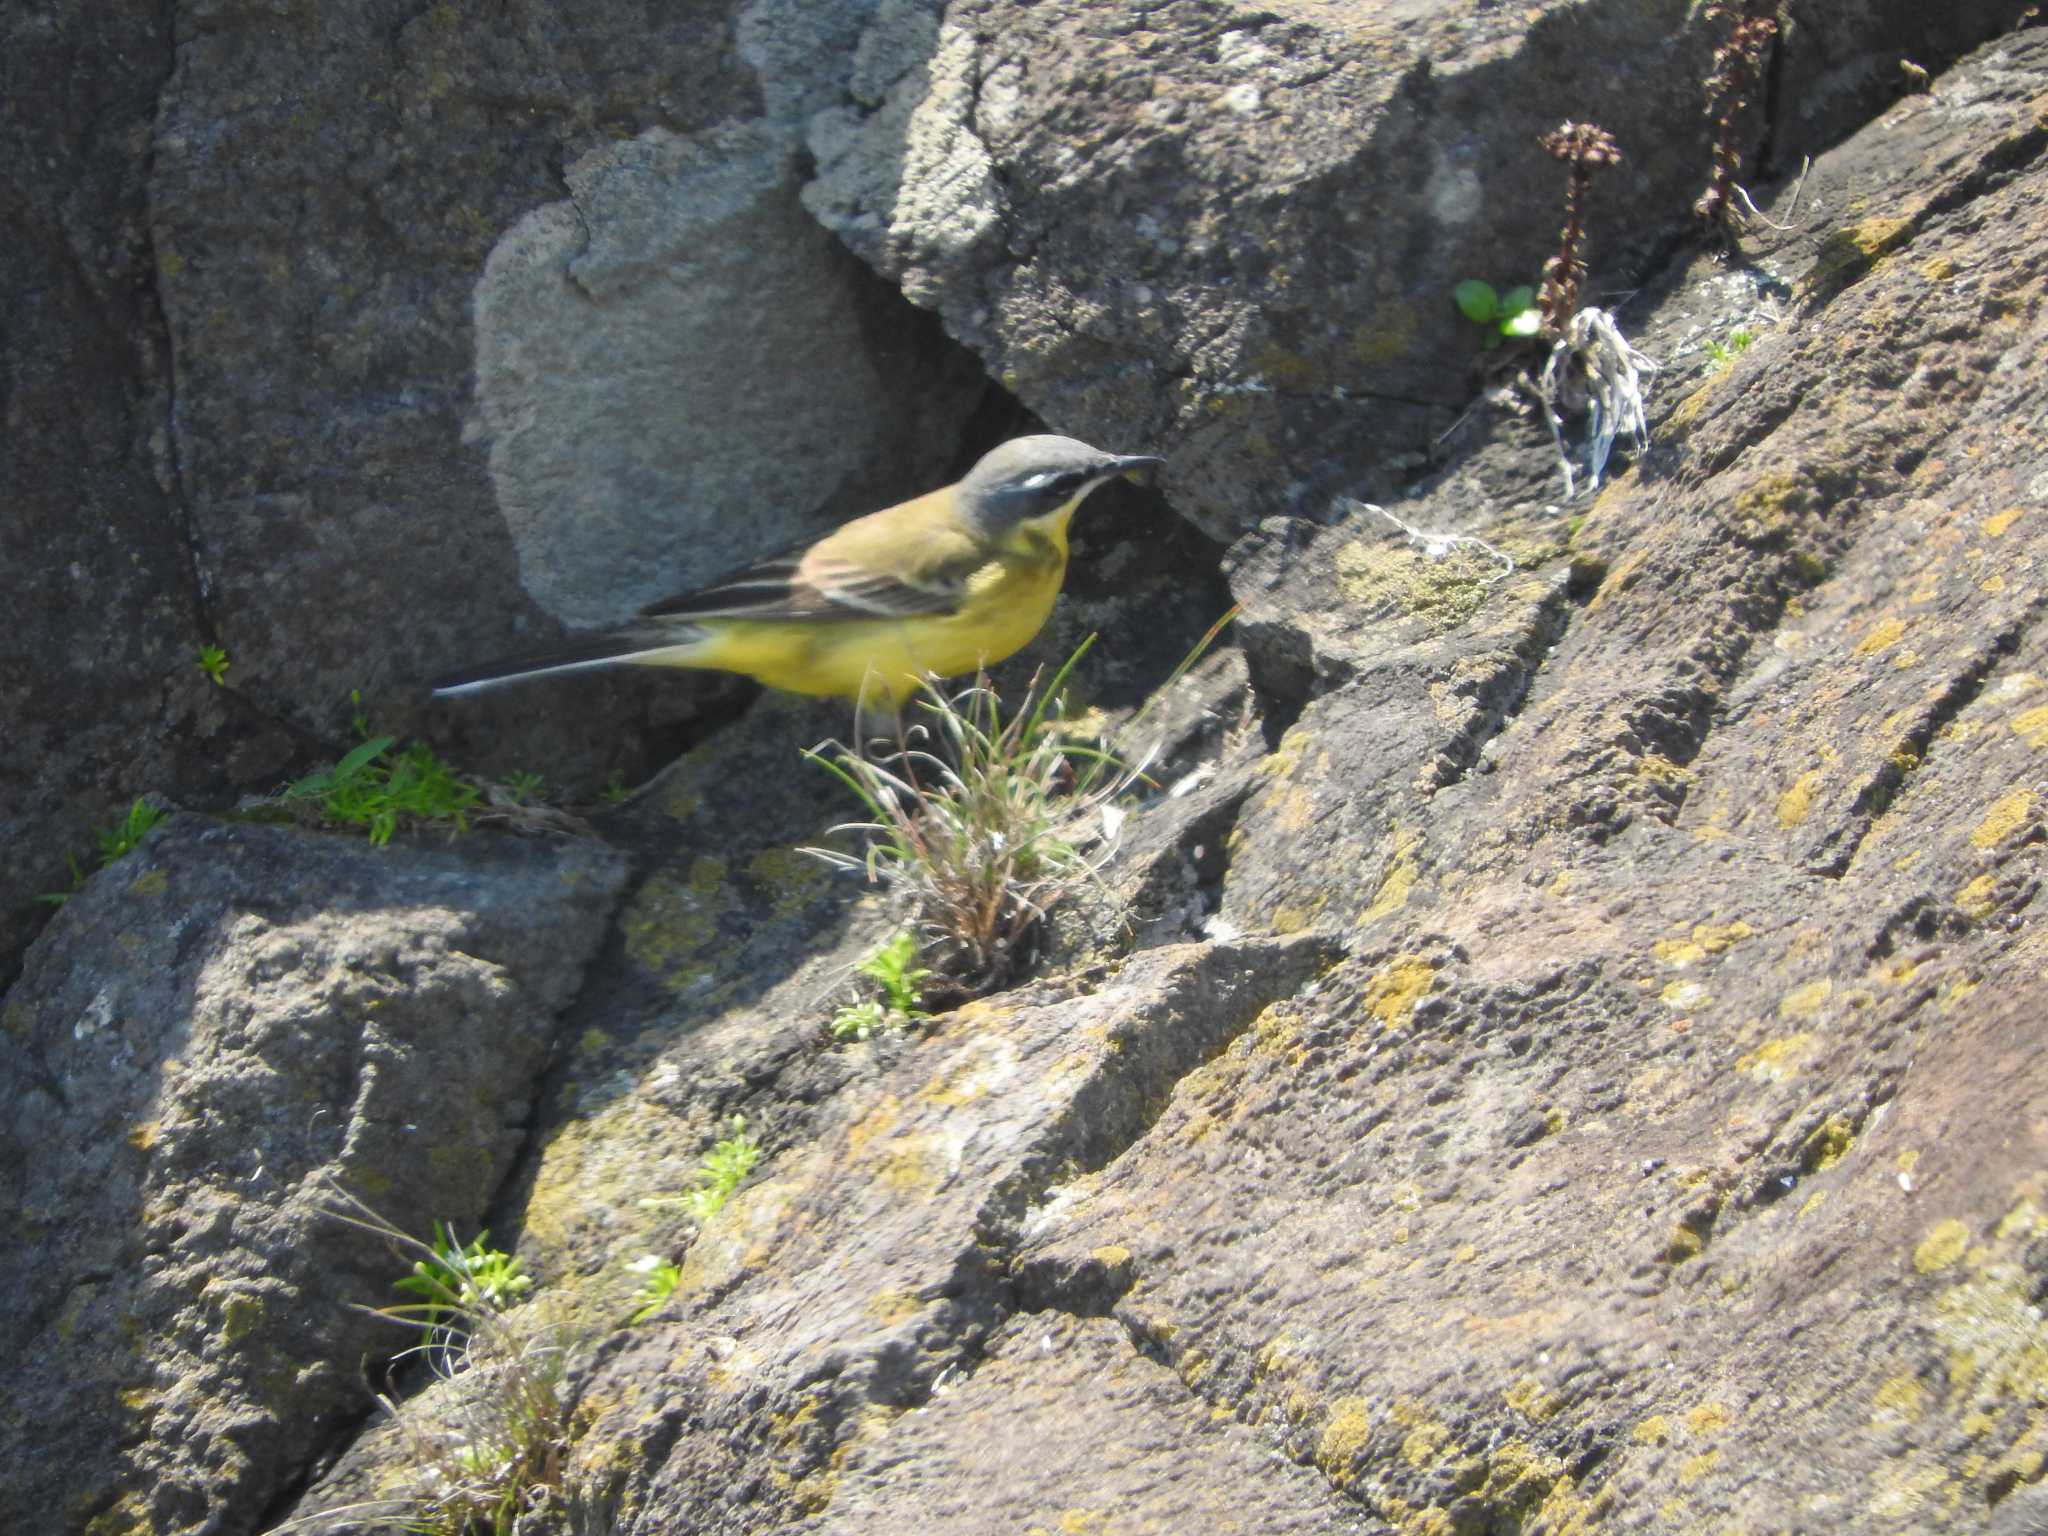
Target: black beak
pixel 1135 465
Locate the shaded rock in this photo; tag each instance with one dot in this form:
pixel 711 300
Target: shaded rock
pixel 212 1054
pixel 1234 236
pixel 97 681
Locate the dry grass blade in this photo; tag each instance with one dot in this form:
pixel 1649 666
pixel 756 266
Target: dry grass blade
pixel 985 828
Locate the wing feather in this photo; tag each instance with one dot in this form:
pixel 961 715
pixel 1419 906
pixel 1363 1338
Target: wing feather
pixel 886 566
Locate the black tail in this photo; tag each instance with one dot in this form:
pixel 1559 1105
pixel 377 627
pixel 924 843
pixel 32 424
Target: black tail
pixel 669 644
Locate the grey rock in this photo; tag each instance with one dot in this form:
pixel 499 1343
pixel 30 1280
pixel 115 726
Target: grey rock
pixel 211 1037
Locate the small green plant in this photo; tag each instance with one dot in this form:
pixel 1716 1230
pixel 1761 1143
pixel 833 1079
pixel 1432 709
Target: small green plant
pixel 1724 354
pixel 458 1276
pixel 724 1166
pixel 658 1281
pixel 1511 316
pixel 478 1459
pixel 213 661
pixel 989 828
pixel 377 788
pixel 526 787
pixel 727 1163
pixel 894 967
pixel 113 842
pixel 614 791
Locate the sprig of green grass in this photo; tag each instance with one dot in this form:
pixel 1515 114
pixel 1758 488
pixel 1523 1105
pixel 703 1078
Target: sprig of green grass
pixel 461 1276
pixel 476 1460
pixel 895 969
pixel 377 788
pixel 658 1281
pixel 1723 355
pixel 727 1163
pixel 213 661
pixel 113 842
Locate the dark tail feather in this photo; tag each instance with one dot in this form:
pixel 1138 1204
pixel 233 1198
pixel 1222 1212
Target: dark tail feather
pixel 646 647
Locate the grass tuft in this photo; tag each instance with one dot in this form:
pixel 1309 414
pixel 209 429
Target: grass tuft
pixel 377 788
pixel 488 1451
pixel 988 827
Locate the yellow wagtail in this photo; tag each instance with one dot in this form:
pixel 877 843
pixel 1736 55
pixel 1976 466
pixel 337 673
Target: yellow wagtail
pixel 936 586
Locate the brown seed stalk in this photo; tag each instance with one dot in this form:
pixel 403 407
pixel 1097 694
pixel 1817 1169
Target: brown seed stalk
pixel 1585 149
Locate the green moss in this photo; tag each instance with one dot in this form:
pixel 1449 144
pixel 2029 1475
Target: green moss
pixel 1850 252
pixel 1389 580
pixel 241 1315
pixel 671 926
pixel 792 880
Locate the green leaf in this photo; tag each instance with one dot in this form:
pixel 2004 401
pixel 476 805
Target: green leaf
pixel 1527 322
pixel 1517 300
pixel 1477 300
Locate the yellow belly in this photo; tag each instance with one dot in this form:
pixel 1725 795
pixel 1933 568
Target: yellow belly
pixel 884 660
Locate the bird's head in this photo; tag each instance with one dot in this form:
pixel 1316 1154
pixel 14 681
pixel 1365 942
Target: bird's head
pixel 1031 477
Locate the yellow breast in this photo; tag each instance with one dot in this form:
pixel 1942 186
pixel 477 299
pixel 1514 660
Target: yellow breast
pixel 884 660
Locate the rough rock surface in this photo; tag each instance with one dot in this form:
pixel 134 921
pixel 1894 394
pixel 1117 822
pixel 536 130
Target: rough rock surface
pixel 212 1038
pixel 1561 1051
pixel 1230 230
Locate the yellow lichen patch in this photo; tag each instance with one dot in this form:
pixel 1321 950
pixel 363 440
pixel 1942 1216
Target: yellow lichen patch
pixel 1977 898
pixel 2032 726
pixel 1677 953
pixel 1907 1160
pixel 1776 1060
pixel 1425 1435
pixel 1996 524
pixel 1813 1202
pixel 1396 987
pixel 892 1306
pixel 1684 995
pixel 1796 803
pixel 143 1134
pixel 151 883
pixel 915 1165
pixel 1709 1418
pixel 1882 637
pixel 1693 1468
pixel 1529 1398
pixel 1904 1488
pixel 1716 937
pixel 1829 1144
pixel 791 879
pixel 2022 1221
pixel 2011 811
pixel 1397 880
pixel 1682 1244
pixel 1899 1397
pixel 1655 1430
pixel 1849 252
pixel 1342 1443
pixel 878 1121
pixel 1687 410
pixel 1941 1247
pixel 1805 1001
